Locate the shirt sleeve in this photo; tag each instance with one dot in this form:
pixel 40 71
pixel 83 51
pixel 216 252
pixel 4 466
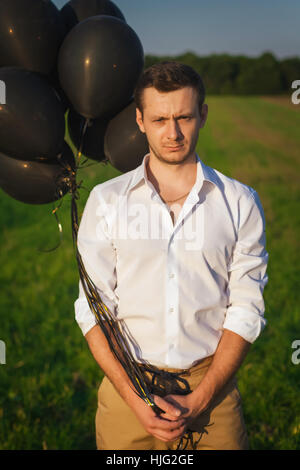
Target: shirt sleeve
pixel 247 273
pixel 99 259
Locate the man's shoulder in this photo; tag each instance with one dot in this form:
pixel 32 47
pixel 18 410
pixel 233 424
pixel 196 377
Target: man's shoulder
pixel 116 186
pixel 230 186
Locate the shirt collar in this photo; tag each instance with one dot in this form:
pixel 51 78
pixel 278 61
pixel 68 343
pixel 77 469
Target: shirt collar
pixel 204 173
pixel 139 174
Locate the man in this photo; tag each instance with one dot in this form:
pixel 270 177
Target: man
pixel 177 251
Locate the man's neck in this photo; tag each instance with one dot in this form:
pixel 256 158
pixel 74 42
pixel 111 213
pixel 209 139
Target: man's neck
pixel 170 179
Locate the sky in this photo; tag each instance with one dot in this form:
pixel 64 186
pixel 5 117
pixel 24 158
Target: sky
pixel 249 27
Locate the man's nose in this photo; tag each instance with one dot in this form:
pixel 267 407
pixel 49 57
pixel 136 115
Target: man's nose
pixel 173 130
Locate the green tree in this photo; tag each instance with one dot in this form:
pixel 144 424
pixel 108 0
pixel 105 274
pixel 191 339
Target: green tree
pixel 259 76
pixel 290 71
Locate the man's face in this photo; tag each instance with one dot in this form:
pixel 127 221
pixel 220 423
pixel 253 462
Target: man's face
pixel 171 121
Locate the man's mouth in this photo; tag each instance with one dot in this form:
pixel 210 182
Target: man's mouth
pixel 175 147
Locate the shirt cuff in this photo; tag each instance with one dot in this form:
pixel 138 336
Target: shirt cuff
pixel 244 322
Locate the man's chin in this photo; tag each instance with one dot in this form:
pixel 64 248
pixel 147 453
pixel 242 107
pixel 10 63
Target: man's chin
pixel 175 157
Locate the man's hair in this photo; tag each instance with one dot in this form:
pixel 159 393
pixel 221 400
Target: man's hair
pixel 168 76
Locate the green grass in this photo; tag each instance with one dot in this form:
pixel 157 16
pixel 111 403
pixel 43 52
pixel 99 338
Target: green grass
pixel 48 387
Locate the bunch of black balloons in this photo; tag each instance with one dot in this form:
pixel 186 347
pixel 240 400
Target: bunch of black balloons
pixel 81 63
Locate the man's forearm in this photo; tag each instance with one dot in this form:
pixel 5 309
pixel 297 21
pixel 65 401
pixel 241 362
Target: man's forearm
pixel 112 368
pixel 230 353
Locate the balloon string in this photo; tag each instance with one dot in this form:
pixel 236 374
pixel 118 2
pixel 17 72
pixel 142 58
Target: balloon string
pixel 82 165
pixel 60 231
pixel 116 334
pixel 66 166
pixel 84 125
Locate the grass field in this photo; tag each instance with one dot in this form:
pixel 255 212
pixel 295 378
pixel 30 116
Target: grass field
pixel 48 386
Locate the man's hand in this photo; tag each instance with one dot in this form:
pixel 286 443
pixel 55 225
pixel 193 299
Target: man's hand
pixel 231 351
pixel 189 405
pixel 168 426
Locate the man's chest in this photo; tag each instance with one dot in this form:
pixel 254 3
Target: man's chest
pixel 186 232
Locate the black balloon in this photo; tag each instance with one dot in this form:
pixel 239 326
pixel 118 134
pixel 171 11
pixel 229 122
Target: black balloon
pixel 93 139
pixel 37 182
pixel 99 64
pixel 31 32
pixel 78 10
pixel 53 81
pixel 32 123
pixel 124 144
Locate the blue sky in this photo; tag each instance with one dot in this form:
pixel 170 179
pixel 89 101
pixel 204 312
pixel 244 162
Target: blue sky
pixel 247 27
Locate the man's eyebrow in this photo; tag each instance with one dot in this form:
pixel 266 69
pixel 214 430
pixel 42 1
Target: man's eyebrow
pixel 161 116
pixel 189 114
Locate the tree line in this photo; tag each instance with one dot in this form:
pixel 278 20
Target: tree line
pixel 227 74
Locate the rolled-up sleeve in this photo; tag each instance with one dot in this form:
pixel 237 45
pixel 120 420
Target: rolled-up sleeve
pixel 247 272
pixel 99 259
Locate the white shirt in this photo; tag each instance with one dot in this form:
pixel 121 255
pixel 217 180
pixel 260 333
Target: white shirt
pixel 177 286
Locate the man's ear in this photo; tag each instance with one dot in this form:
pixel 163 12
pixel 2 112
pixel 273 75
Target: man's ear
pixel 203 116
pixel 139 120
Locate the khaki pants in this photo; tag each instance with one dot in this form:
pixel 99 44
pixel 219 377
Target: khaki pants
pixel 220 427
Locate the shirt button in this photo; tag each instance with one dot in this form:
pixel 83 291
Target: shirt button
pixel 171 310
pixel 171 276
pixel 171 346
